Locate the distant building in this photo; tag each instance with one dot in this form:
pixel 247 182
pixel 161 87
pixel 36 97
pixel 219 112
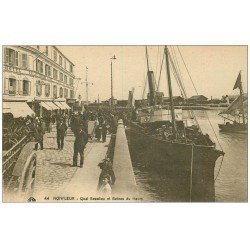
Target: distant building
pixel 178 100
pixel 108 102
pixel 122 103
pixel 197 99
pixel 41 77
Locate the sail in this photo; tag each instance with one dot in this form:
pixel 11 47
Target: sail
pixel 235 107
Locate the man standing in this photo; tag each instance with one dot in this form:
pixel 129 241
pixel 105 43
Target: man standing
pixel 38 132
pixel 81 139
pixel 61 129
pixel 104 131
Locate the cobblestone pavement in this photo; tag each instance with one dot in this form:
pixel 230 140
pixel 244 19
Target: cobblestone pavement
pixel 54 169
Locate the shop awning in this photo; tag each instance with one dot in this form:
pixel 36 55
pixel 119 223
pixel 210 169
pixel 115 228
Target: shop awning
pixel 45 105
pixel 52 105
pixel 59 104
pixel 18 109
pixel 65 105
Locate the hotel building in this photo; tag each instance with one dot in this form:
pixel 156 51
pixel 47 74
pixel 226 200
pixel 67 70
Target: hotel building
pixel 38 78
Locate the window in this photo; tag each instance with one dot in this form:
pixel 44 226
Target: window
pixel 47 70
pixel 24 61
pixel 55 55
pixel 65 79
pixel 71 93
pixel 55 91
pixel 61 92
pixel 38 89
pixel 11 57
pixel 47 90
pixel 26 87
pixel 12 86
pixel 39 66
pixel 71 81
pixel 71 68
pixel 66 93
pixel 55 74
pixel 46 50
pixel 61 76
pixel 60 60
pixel 65 63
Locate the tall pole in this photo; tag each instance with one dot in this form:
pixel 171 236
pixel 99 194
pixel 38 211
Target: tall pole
pixel 170 92
pixel 87 91
pixel 242 104
pixel 111 100
pixel 112 96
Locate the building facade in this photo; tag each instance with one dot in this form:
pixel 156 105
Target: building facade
pixel 41 76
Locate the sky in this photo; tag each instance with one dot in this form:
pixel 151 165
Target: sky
pixel 213 69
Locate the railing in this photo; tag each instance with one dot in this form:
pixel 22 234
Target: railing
pixel 10 157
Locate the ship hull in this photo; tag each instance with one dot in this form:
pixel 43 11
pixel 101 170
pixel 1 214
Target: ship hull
pixel 233 128
pixel 192 162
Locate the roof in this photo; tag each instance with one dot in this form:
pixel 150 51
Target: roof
pixel 174 97
pixel 196 97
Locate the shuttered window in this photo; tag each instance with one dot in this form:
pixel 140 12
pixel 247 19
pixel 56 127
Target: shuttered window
pixel 24 61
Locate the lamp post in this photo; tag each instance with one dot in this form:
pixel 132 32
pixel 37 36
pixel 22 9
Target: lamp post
pixel 87 86
pixel 112 96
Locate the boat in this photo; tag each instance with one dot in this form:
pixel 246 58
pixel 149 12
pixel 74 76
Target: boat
pixel 161 137
pixel 235 116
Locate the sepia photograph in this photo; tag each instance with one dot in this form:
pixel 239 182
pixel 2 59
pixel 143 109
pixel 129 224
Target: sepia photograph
pixel 156 123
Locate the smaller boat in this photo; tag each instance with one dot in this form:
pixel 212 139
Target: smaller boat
pixel 235 116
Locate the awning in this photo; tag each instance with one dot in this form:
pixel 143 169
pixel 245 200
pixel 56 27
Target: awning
pixel 59 104
pixel 52 105
pixel 18 109
pixel 65 105
pixel 45 105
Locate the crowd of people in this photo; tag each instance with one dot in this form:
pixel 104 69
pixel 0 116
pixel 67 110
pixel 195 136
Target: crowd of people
pixel 89 125
pixel 103 122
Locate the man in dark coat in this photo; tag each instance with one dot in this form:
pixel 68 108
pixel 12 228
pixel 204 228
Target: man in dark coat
pixel 104 131
pixel 38 133
pixel 81 139
pixel 61 129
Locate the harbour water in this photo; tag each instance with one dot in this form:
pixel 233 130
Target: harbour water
pixel 155 184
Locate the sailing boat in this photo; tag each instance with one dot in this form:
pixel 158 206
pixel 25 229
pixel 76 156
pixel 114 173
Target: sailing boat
pixel 236 112
pixel 180 149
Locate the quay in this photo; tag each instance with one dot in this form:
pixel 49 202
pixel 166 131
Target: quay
pixel 56 179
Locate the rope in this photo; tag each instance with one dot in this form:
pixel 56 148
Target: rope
pixel 213 130
pixel 191 174
pixel 219 168
pixel 187 70
pixel 157 61
pixel 158 85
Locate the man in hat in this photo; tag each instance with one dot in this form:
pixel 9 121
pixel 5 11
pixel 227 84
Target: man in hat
pixel 81 139
pixel 61 129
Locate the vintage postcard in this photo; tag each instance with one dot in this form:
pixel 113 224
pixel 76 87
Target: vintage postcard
pixel 124 123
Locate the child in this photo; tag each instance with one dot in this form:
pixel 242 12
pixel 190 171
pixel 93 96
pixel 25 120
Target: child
pixel 105 189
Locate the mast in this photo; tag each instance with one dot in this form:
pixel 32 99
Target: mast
pixel 170 92
pixel 151 84
pixel 241 99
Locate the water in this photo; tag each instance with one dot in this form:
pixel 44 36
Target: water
pixel 231 184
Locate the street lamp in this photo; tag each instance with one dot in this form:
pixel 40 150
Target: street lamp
pixel 87 85
pixel 112 96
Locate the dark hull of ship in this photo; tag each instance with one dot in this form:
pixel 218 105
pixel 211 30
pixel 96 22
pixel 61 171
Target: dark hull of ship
pixel 233 128
pixel 192 162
